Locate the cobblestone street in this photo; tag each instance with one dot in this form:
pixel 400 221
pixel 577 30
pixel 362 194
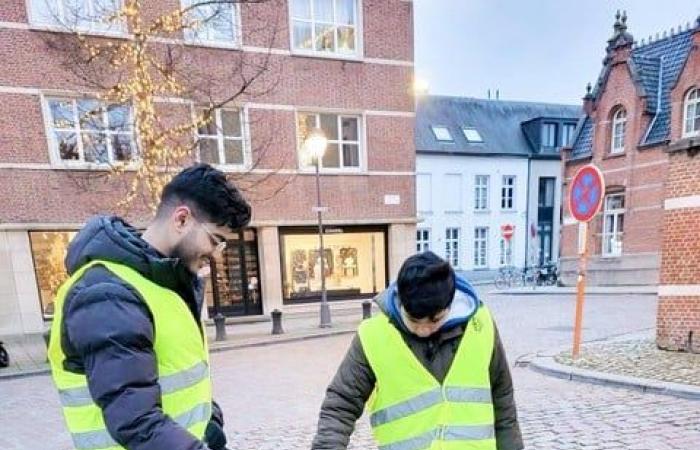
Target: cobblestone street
pixel 271 394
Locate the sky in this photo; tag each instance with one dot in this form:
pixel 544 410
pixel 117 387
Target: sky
pixel 534 50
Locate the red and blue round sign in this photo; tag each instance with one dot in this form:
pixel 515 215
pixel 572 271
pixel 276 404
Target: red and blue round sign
pixel 586 193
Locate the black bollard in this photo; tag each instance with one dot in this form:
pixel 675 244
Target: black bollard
pixel 277 322
pixel 366 309
pixel 220 325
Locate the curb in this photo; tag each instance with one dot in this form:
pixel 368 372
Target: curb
pixel 213 348
pixel 548 366
pixel 521 292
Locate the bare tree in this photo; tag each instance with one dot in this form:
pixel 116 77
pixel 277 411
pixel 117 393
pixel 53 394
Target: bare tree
pixel 149 66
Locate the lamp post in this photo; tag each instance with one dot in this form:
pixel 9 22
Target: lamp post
pixel 315 146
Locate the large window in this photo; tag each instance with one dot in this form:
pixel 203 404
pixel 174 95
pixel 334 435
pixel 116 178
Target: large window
pixel 481 245
pixel 325 26
pixel 452 246
pixel 354 261
pixel 508 192
pixel 87 131
pixel 221 139
pixel 481 192
pixel 211 23
pixel 343 133
pixel 619 123
pixel 567 135
pixel 422 240
pixel 549 135
pixel 79 15
pixel 613 224
pixel 691 117
pixel 49 251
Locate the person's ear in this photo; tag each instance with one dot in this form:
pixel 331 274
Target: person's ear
pixel 181 218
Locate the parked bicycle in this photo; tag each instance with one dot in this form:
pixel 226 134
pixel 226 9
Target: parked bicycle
pixel 509 276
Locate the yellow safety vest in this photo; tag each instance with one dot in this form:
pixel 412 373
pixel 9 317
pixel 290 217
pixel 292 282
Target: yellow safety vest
pixel 411 410
pixel 182 361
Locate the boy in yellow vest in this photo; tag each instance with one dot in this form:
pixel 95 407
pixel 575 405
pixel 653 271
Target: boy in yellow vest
pixel 430 369
pixel 128 352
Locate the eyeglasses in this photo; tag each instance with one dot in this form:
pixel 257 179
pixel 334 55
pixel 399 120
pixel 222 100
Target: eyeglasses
pixel 218 241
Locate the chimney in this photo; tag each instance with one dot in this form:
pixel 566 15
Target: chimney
pixel 588 101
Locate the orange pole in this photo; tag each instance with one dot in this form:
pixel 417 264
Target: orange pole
pixel 580 293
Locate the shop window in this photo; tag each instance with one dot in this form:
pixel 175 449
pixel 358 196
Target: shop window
pixel 49 251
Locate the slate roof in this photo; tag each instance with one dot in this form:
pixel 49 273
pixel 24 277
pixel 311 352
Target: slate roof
pixel 499 123
pixel 655 68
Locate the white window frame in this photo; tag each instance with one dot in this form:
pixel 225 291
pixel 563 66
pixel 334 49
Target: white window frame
pixel 506 251
pixel 437 129
pixel 618 131
pixel 220 137
pixel 113 29
pixel 481 192
pixel 423 240
pixel 55 154
pixel 452 245
pixel 361 141
pixel 359 41
pixel 615 248
pixel 192 38
pixel 508 192
pixel 688 121
pixel 467 131
pixel 481 247
pixel 567 134
pixel 546 126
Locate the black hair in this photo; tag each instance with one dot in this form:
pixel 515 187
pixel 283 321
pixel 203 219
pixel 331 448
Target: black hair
pixel 207 192
pixel 426 285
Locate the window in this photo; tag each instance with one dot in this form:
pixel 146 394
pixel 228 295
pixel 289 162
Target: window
pixel 506 252
pixel 424 192
pixel 452 246
pixel 472 134
pixel 343 133
pixel 692 113
pixel 87 131
pixel 508 192
pixel 618 131
pixel 220 141
pixel 422 240
pixel 549 135
pixel 442 134
pixel 544 236
pixel 452 189
pixel 546 192
pixel 211 23
pixel 613 224
pixel 81 15
pixel 325 26
pixel 481 193
pixel 480 247
pixel 567 135
pixel 48 252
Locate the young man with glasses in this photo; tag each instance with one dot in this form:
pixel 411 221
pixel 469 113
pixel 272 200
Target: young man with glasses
pixel 128 350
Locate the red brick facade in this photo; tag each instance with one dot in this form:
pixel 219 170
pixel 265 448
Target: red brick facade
pixel 660 183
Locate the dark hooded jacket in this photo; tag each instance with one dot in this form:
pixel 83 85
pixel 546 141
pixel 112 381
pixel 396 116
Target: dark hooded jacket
pixel 354 382
pixel 108 335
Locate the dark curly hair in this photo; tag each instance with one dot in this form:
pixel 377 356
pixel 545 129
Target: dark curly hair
pixel 207 192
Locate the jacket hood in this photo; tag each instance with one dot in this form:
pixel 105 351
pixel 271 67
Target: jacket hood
pixel 463 307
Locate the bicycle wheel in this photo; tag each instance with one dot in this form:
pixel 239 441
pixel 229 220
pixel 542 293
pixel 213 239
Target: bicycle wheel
pixel 501 282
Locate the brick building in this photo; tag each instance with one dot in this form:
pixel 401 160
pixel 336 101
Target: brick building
pixel 641 129
pixel 346 66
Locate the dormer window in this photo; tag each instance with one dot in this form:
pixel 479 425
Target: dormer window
pixel 442 134
pixel 567 135
pixel 472 134
pixel 619 123
pixel 691 110
pixel 549 135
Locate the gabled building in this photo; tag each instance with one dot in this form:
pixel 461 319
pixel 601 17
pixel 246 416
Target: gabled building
pixel 485 164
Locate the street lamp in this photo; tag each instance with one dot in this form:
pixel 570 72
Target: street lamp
pixel 315 146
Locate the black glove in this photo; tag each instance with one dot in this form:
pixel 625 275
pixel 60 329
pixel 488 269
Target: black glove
pixel 214 436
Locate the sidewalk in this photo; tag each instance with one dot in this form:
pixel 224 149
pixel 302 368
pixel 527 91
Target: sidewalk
pixel 632 361
pixel 571 290
pixel 28 353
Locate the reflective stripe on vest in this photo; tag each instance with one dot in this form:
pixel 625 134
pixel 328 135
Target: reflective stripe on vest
pixel 410 410
pixel 181 355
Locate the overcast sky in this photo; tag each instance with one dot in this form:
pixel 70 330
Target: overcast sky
pixel 537 50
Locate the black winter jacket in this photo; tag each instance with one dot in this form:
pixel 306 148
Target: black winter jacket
pixel 108 335
pixel 354 382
